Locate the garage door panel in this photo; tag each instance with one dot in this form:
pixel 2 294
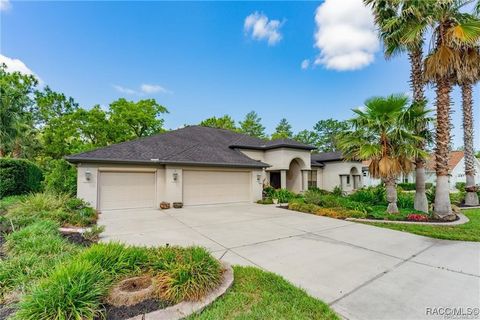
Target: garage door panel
pixel 124 190
pixel 211 187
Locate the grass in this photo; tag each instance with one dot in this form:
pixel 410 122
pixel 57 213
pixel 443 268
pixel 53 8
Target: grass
pixel 257 294
pixel 469 231
pixel 32 253
pixel 63 209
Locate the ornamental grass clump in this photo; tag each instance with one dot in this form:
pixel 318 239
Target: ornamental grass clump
pixel 72 291
pixel 184 274
pixel 49 206
pixel 31 253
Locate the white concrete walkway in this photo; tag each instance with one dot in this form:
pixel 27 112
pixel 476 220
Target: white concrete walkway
pixel 363 272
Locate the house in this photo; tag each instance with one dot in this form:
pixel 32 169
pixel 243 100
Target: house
pixel 199 165
pixel 456 164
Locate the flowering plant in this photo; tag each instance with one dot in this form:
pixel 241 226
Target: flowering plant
pixel 417 217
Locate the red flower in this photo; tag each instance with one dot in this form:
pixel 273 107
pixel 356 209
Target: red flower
pixel 417 217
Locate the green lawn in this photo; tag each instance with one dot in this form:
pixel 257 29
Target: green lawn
pixel 257 294
pixel 469 231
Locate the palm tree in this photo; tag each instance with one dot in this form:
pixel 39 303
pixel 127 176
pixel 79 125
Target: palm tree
pixel 402 26
pixel 468 73
pixel 380 132
pixel 452 30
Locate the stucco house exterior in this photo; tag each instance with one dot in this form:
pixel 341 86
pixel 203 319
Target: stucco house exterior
pixel 456 164
pixel 199 165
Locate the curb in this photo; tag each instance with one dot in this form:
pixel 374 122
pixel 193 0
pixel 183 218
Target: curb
pixel 186 308
pixel 463 219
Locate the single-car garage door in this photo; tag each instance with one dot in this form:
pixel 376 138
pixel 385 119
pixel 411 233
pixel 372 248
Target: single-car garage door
pixel 211 187
pixel 125 190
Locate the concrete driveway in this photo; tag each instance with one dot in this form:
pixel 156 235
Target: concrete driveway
pixel 363 272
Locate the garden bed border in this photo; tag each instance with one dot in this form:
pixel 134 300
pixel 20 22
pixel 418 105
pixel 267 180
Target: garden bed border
pixel 462 220
pixel 186 308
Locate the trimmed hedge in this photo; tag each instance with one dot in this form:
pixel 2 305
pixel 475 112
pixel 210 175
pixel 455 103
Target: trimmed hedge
pixel 18 176
pixel 412 186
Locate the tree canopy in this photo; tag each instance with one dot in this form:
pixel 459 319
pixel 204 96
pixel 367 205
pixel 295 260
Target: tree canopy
pixel 252 125
pixel 225 122
pixel 283 130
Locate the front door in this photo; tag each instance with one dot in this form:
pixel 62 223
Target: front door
pixel 275 181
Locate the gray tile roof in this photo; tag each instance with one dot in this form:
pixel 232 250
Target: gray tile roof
pixel 194 145
pixel 318 159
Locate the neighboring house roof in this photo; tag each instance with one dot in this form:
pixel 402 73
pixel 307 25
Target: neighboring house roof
pixel 194 145
pixel 454 158
pixel 318 159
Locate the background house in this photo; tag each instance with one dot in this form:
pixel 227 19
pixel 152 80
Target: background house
pixel 456 163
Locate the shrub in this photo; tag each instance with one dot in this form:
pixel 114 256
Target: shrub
pixel 332 201
pixel 187 274
pixel 115 258
pixel 93 234
pixel 61 177
pixel 407 186
pixel 338 213
pixel 283 195
pixel 32 252
pixel 18 176
pixel 72 291
pixel 371 195
pixel 405 199
pixel 417 217
pixel 268 192
pixel 57 207
pixel 460 186
pixel 337 191
pixel 265 201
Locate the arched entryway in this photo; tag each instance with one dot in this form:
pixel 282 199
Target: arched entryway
pixel 294 175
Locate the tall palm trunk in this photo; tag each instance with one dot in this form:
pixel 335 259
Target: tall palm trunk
pixel 417 83
pixel 390 187
pixel 471 198
pixel 443 208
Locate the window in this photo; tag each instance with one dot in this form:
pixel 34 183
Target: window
pixel 348 180
pixel 312 179
pixel 364 173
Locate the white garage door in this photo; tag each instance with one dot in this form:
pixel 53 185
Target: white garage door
pixel 212 187
pixel 124 190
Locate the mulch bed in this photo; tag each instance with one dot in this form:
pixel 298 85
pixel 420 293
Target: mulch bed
pixel 6 310
pixel 125 312
pixel 77 238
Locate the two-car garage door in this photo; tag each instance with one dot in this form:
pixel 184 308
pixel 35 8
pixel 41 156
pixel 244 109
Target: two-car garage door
pixel 128 190
pixel 211 187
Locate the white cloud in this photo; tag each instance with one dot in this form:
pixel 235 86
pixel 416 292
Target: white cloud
pixel 124 89
pixel 305 64
pixel 5 5
pixel 153 88
pixel 345 35
pixel 18 65
pixel 144 89
pixel 261 28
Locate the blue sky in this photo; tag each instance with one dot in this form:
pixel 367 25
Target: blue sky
pixel 199 59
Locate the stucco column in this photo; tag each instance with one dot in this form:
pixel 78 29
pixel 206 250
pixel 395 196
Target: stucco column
pixel 304 180
pixel 283 179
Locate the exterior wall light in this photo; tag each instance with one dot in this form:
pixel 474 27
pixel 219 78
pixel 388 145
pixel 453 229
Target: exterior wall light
pixel 175 177
pixel 88 175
